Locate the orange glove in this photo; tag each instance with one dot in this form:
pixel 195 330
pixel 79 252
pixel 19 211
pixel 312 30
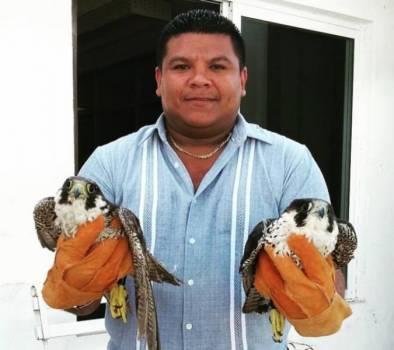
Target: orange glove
pixel 307 297
pixel 85 269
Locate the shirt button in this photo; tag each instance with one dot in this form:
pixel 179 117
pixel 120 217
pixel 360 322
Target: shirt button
pixel 190 282
pixel 189 326
pixel 176 165
pixel 192 241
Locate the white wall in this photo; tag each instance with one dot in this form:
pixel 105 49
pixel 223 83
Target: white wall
pixel 36 148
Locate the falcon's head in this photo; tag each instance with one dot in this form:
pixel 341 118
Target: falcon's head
pixel 315 218
pixel 79 200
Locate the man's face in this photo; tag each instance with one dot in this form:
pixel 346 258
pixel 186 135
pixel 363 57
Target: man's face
pixel 200 84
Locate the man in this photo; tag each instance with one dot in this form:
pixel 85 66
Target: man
pixel 199 180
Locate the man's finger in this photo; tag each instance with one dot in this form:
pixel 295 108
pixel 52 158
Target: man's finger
pixel 266 270
pixel 314 264
pixel 269 283
pixel 287 268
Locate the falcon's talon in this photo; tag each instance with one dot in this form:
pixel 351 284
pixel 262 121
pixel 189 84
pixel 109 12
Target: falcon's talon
pixel 277 321
pixel 118 302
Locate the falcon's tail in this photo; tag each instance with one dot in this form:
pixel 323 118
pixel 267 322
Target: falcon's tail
pixel 146 312
pixel 254 302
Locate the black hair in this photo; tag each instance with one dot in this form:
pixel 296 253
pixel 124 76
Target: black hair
pixel 200 21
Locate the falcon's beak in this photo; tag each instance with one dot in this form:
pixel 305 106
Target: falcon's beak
pixel 78 191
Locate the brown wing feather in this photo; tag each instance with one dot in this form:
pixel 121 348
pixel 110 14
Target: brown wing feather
pixel 158 273
pixel 346 244
pixel 254 302
pixel 44 218
pixel 145 303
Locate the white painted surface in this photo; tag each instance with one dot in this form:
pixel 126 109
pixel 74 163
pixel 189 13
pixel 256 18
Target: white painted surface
pixel 36 148
pixel 36 133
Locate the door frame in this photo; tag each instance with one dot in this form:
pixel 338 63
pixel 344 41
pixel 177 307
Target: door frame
pixel 358 29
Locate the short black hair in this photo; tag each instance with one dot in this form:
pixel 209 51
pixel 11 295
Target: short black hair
pixel 200 21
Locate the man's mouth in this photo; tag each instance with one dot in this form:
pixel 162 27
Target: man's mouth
pixel 200 98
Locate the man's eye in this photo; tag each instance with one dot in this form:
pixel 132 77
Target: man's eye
pixel 217 67
pixel 181 67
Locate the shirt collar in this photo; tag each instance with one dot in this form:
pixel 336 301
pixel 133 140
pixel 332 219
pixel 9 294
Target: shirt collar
pixel 241 131
pixel 159 127
pixel 244 129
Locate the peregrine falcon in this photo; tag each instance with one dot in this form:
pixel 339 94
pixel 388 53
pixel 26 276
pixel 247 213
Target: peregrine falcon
pixel 313 218
pixel 80 200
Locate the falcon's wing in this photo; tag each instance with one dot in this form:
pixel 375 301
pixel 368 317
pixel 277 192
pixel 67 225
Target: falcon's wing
pixel 346 244
pixel 158 273
pixel 145 303
pixel 44 219
pixel 254 301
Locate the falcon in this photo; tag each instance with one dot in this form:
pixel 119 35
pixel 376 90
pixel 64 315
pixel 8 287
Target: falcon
pixel 313 218
pixel 80 200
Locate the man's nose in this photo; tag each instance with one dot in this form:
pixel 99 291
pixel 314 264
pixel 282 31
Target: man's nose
pixel 200 78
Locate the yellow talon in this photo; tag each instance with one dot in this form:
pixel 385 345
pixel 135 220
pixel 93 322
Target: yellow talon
pixel 277 324
pixel 118 302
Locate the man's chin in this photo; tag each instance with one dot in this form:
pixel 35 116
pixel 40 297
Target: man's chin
pixel 199 121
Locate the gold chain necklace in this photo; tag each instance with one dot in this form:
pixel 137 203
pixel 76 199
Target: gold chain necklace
pixel 201 156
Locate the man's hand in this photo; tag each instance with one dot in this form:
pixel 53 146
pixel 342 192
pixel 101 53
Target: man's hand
pixel 306 297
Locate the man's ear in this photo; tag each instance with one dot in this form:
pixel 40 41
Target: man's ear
pixel 158 81
pixel 244 78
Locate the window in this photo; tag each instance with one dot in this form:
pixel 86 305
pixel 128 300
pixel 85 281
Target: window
pixel 300 85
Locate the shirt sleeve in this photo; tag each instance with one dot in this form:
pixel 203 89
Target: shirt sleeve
pixel 302 178
pixel 97 169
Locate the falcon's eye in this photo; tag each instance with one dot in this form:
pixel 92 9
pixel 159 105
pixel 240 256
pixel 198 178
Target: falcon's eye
pixel 306 206
pixel 330 211
pixel 68 184
pixel 91 188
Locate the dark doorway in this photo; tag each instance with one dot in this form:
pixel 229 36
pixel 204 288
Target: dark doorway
pixel 115 89
pixel 300 86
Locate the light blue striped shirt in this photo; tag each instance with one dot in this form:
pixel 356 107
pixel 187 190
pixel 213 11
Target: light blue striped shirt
pixel 200 235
